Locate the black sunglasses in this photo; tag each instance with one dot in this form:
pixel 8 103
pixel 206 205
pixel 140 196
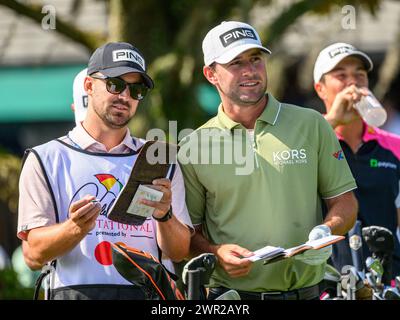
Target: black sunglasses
pixel 116 85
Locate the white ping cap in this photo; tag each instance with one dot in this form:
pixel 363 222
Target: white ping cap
pixel 229 39
pixel 329 57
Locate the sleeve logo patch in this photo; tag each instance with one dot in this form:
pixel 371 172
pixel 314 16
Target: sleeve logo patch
pixel 338 155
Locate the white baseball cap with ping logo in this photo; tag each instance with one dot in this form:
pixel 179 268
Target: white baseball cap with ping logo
pixel 229 39
pixel 329 57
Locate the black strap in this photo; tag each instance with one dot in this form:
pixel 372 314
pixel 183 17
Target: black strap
pixel 98 292
pixel 46 270
pixel 25 156
pixel 308 293
pixel 171 172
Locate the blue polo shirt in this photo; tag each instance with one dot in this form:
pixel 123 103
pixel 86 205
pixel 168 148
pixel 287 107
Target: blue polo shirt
pixel 376 168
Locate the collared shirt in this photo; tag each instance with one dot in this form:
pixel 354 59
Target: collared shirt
pixel 264 190
pixel 80 138
pixel 376 168
pixel 36 208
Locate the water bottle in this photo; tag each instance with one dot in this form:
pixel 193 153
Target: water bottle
pixel 371 110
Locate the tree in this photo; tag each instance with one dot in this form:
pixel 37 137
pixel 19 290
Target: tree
pixel 169 34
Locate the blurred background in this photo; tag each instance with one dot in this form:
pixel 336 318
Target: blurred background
pixel 44 44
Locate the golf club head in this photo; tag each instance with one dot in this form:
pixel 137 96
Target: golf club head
pixel 379 240
pixel 391 294
pixel 205 263
pixel 143 270
pixel 375 266
pixel 229 295
pixel 350 278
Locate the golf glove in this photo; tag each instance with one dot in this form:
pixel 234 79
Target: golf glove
pixel 316 257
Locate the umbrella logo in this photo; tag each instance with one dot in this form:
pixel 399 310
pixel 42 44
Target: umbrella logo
pixel 111 187
pixel 109 182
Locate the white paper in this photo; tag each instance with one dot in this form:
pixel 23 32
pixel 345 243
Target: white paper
pixel 270 251
pixel 147 193
pixel 264 253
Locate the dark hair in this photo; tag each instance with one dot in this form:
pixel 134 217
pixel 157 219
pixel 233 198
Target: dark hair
pixel 213 65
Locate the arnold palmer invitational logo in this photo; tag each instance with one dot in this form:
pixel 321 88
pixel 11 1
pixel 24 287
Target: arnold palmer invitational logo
pixel 106 187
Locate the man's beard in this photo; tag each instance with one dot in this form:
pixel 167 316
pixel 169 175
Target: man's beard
pixel 243 100
pixel 112 118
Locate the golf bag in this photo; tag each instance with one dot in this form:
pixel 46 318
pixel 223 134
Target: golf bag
pixel 145 271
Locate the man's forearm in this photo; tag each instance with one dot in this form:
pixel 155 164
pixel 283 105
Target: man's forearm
pixel 173 238
pixel 332 121
pixel 342 213
pixel 199 244
pixel 30 262
pixel 48 243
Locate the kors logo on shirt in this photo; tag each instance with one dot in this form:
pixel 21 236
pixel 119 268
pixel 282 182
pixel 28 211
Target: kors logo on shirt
pixel 289 157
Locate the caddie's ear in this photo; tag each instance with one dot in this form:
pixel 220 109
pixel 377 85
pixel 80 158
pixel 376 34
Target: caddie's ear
pixel 88 85
pixel 209 73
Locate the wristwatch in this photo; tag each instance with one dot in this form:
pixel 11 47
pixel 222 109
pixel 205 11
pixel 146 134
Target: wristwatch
pixel 167 216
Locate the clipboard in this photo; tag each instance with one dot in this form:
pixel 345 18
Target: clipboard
pixel 156 159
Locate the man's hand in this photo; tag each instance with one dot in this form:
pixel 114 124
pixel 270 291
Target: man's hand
pixel 230 258
pixel 316 257
pixel 162 206
pixel 83 214
pixel 342 111
pixel 50 242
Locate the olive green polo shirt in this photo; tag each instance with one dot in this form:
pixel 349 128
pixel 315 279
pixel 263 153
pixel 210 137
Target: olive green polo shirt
pixel 264 191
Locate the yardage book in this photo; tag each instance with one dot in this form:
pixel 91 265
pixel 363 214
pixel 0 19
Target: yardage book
pixel 126 208
pixel 272 254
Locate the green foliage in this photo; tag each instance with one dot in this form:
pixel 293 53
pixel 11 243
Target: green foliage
pixel 170 33
pixel 288 17
pixel 326 6
pixel 10 288
pixel 9 175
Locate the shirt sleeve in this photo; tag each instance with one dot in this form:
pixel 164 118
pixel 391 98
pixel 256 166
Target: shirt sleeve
pixel 195 191
pixel 35 206
pixel 334 175
pixel 178 199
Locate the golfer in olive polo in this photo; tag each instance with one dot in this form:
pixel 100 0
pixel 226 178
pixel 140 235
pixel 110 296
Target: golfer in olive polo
pixel 277 164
